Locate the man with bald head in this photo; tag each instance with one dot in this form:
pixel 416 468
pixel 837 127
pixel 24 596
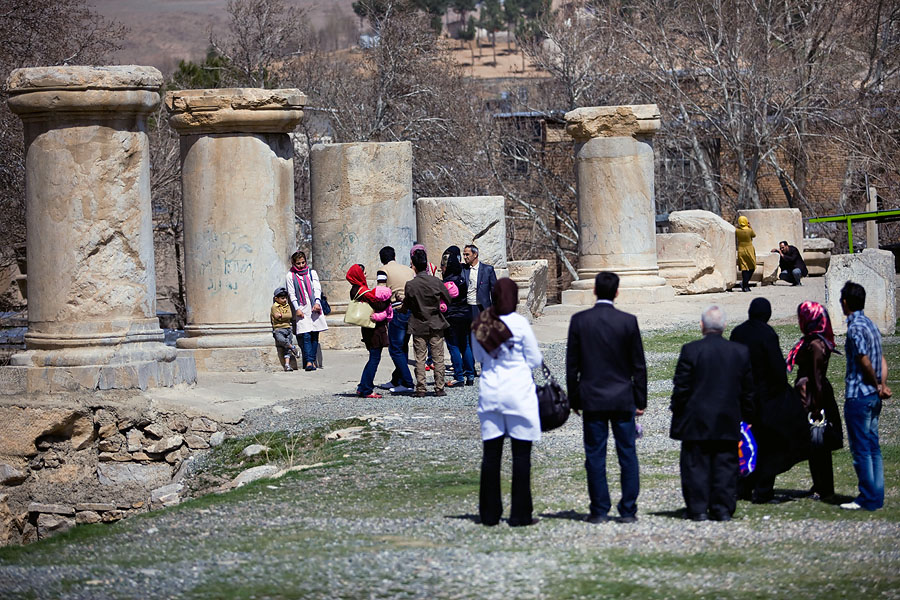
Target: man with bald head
pixel 712 391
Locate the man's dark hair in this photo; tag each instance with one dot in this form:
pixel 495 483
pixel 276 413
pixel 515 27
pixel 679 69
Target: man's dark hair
pixel 854 295
pixel 473 248
pixel 386 255
pixel 420 261
pixel 606 285
pixel 783 242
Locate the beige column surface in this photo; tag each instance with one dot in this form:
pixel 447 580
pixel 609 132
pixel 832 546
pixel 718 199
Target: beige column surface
pixel 238 198
pixel 361 196
pixel 91 277
pixel 616 201
pixel 459 221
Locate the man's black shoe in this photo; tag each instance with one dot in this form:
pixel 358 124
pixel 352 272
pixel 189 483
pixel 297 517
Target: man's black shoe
pixel 597 519
pixel 700 517
pixel 722 517
pixel 629 519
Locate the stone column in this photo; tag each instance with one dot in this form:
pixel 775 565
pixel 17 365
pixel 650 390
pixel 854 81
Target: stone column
pixel 237 174
pixel 872 226
pixel 92 288
pixel 361 195
pixel 616 203
pixel 478 220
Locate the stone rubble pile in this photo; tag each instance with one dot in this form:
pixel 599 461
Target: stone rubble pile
pixel 91 465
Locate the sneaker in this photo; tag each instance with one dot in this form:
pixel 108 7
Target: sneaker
pixel 470 382
pixel 372 395
pixel 287 367
pixel 401 389
pixel 387 385
pixel 851 506
pixel 453 383
pixel 440 393
pixel 428 367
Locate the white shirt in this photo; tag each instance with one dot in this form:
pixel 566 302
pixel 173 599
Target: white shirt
pixel 507 401
pixel 472 292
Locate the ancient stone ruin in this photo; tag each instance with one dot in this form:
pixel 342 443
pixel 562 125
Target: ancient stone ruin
pixel 92 321
pixel 616 202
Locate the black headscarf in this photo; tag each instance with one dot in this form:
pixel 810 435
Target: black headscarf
pixel 489 330
pixel 454 262
pixel 760 310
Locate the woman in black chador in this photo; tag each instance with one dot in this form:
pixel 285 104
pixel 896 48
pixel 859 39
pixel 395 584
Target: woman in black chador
pixel 779 421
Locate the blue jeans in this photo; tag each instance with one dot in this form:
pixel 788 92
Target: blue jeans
pixel 457 337
pixel 596 432
pixel 396 337
pixel 309 346
pixel 861 415
pixel 793 277
pixel 367 383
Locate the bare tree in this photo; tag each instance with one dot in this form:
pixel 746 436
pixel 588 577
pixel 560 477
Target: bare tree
pixel 261 35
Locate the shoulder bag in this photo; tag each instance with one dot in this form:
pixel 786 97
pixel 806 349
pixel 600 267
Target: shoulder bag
pixel 553 404
pixel 359 313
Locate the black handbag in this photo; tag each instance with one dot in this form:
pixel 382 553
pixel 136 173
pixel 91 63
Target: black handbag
pixel 553 404
pixel 326 308
pixel 823 434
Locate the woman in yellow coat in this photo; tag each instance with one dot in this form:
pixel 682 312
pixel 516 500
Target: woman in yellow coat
pixel 746 253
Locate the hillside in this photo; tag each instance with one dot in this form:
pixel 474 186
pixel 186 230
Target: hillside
pixel 166 31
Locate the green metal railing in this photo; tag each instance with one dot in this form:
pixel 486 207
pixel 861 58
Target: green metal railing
pixel 881 216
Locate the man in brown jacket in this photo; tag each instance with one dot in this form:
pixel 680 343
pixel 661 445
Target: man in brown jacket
pixel 422 296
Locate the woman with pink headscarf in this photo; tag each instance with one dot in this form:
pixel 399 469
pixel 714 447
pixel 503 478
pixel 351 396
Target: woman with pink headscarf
pixel 811 355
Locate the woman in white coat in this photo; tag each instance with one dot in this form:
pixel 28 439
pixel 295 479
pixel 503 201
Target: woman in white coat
pixel 504 344
pixel 305 294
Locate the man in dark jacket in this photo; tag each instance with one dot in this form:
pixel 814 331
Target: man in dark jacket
pixel 606 377
pixel 791 263
pixel 481 280
pixel 779 420
pixel 712 391
pixel 422 297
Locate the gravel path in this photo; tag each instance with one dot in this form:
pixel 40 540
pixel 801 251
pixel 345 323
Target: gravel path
pixel 396 519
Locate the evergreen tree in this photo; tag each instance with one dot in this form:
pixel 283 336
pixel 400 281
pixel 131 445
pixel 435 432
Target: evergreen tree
pixel 492 21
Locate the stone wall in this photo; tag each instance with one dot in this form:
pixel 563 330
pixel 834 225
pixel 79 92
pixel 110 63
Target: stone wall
pixel 90 462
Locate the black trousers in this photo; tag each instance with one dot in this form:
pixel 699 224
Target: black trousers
pixel 821 472
pixel 709 473
pixel 756 487
pixel 490 505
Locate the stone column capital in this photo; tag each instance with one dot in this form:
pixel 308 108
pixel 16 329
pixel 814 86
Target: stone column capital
pixel 235 110
pixel 37 93
pixel 612 121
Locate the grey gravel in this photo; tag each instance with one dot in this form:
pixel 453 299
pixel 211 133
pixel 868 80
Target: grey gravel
pixel 398 521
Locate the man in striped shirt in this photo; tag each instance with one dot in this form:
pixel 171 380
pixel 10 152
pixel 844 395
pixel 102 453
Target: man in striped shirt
pixel 866 382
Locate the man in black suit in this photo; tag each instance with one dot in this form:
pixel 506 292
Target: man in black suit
pixel 606 377
pixel 481 279
pixel 712 390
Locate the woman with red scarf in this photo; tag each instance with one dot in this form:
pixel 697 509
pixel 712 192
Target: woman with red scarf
pixel 811 355
pixel 375 338
pixel 305 293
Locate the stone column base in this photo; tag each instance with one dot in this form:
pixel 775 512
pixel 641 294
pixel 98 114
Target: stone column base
pixel 139 375
pixel 237 359
pixel 340 336
pixel 639 295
